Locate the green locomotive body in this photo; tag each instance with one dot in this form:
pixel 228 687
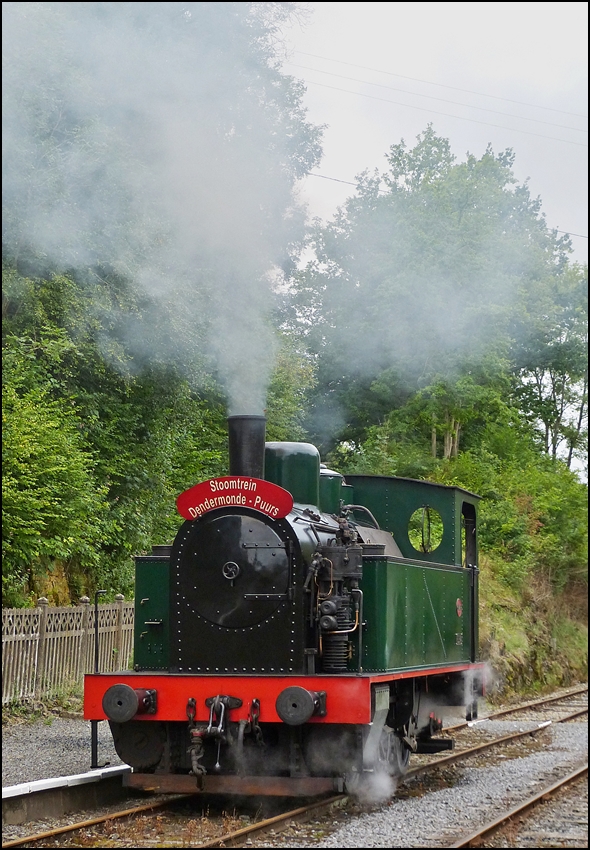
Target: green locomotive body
pixel 320 615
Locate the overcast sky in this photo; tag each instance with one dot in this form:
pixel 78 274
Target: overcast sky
pixel 510 74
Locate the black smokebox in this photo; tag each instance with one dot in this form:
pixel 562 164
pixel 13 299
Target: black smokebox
pixel 247 435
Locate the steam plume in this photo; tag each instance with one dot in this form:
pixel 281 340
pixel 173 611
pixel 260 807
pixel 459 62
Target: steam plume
pixel 159 141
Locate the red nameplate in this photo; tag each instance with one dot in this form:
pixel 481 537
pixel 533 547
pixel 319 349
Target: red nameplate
pixel 235 491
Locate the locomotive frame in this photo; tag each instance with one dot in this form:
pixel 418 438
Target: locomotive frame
pixel 295 639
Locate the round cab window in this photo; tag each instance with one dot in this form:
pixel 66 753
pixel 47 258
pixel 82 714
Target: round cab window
pixel 425 529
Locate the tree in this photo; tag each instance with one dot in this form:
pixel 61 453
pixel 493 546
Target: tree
pixel 438 420
pixel 159 144
pixel 53 512
pixel 292 380
pixel 151 153
pixel 122 443
pixel 417 277
pixel 551 360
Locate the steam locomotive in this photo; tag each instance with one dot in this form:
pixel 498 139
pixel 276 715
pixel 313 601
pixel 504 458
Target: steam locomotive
pixel 302 633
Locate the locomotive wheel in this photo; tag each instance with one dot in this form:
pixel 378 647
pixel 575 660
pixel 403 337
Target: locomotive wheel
pixel 392 760
pixel 139 744
pixel 393 753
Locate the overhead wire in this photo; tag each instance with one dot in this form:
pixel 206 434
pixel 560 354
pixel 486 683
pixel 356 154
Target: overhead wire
pixel 433 97
pixel 448 114
pixel 440 85
pixel 442 99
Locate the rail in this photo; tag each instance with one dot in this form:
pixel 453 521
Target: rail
pixel 280 822
pixel 474 839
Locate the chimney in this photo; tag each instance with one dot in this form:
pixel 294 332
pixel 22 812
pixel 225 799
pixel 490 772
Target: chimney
pixel 247 436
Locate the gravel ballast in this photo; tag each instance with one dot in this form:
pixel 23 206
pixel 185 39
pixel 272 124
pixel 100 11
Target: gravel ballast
pixel 479 795
pixel 481 789
pixel 52 746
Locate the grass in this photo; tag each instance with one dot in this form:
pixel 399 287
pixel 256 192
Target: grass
pixel 64 703
pixel 529 637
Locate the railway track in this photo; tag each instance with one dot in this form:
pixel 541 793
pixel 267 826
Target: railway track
pixel 474 839
pixel 541 703
pixel 321 808
pixel 86 824
pixel 465 753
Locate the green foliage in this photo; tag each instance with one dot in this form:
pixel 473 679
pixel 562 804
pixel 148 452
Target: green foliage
pixel 438 420
pixel 532 638
pixel 120 442
pixel 551 360
pixel 417 284
pixel 113 433
pixel 533 514
pixel 52 508
pixel 292 379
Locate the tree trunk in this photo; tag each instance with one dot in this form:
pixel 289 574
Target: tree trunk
pixel 456 440
pixel 448 436
pixel 574 441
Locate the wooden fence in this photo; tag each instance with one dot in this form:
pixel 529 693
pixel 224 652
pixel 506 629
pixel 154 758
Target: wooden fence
pixel 47 650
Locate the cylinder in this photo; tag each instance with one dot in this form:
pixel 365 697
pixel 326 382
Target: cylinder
pixel 246 445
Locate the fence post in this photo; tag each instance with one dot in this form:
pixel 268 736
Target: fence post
pixel 85 641
pixel 42 604
pixel 118 648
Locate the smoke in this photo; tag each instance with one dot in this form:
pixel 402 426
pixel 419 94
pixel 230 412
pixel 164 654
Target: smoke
pixel 480 682
pixel 159 141
pixel 474 684
pixel 376 788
